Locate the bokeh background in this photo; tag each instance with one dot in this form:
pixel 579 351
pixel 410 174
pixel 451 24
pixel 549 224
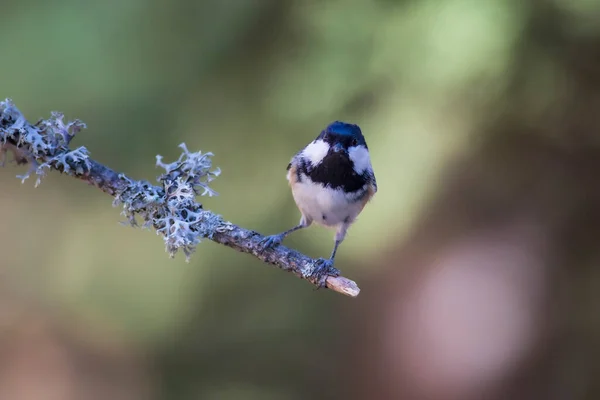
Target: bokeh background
pixel 478 259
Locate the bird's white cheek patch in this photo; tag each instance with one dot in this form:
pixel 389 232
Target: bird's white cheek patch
pixel 360 157
pixel 316 151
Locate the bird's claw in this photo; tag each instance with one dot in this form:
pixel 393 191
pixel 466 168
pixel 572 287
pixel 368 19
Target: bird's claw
pixel 323 269
pixel 269 241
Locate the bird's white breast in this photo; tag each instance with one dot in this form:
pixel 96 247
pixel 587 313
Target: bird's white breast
pixel 324 205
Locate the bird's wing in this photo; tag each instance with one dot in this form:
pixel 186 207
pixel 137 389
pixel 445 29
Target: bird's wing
pixel 374 184
pixel 294 161
pixel 293 175
pixel 372 181
pixel 371 190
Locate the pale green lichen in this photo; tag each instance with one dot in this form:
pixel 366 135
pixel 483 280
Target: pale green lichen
pixel 194 167
pixel 172 210
pixel 43 145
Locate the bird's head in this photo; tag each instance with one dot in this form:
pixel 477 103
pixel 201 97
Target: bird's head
pixel 340 141
pixel 341 137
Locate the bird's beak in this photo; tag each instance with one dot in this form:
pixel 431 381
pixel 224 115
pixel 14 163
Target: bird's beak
pixel 338 148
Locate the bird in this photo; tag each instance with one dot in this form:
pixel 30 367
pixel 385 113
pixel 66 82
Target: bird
pixel 331 180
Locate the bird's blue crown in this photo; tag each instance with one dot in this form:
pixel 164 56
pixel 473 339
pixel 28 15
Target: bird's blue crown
pixel 342 128
pixel 343 132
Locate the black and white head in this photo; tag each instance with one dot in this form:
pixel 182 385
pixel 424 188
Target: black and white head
pixel 339 157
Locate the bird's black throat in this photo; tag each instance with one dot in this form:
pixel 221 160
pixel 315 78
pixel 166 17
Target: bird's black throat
pixel 336 171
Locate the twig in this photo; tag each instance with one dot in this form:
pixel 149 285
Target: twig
pixel 170 208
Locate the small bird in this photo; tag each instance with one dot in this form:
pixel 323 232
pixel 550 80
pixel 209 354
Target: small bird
pixel 331 180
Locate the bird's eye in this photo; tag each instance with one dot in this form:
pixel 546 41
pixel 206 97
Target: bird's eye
pixel 354 142
pixel 326 136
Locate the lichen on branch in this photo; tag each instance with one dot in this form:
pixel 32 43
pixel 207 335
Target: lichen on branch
pixel 172 211
pixel 170 208
pixel 44 145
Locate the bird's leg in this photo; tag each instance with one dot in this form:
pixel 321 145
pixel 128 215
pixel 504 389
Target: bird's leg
pixel 335 247
pixel 273 240
pixel 324 267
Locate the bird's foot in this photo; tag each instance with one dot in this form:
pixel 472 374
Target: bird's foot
pixel 323 269
pixel 270 241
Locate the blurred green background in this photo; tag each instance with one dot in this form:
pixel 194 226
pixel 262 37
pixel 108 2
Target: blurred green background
pixel 100 311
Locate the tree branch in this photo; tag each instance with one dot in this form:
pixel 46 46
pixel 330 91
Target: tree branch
pixel 170 208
